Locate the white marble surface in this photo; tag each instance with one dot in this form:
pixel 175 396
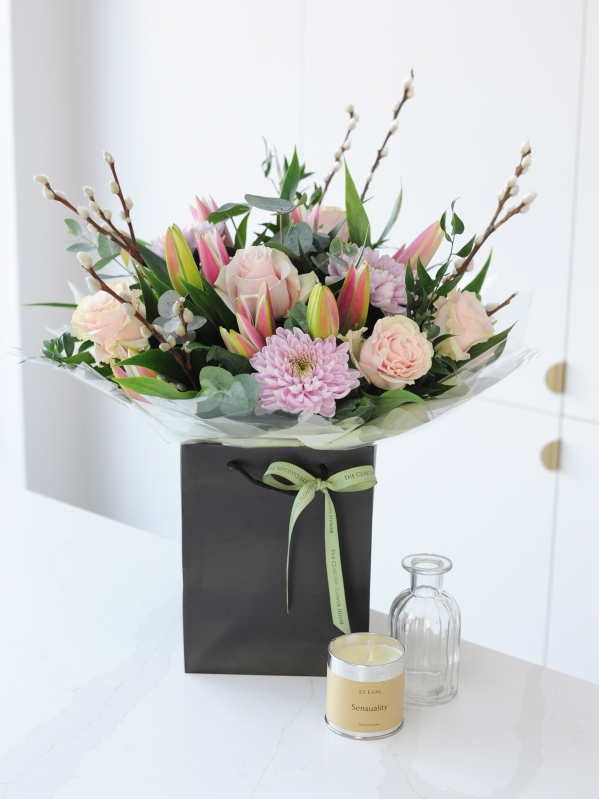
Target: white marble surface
pixel 95 703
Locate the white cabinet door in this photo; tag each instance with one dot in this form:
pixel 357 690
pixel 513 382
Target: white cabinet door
pixel 472 487
pixel 574 625
pixel 582 377
pixel 488 75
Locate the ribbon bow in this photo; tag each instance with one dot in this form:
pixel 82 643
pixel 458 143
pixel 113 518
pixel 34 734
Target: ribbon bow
pixel 360 478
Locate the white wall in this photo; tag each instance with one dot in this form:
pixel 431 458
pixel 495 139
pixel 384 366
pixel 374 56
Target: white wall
pixel 181 93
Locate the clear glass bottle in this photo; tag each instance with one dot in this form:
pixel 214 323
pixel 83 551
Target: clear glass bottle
pixel 426 620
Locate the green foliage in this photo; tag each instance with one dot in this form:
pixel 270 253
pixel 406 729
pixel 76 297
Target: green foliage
pixel 223 394
pixel 478 349
pixel 236 364
pixel 107 248
pixel 149 297
pixel 297 238
pixel 392 219
pixel 297 317
pixel 476 284
pixel 275 205
pixel 241 233
pixel 357 219
pixel 74 227
pixel 81 246
pixel 51 304
pixel 363 407
pixel 291 179
pixel 160 362
pixel 151 387
pixel 69 351
pixel 228 211
pixel 394 398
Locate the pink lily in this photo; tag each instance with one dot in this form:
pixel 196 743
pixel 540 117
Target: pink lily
pixel 424 247
pixel 252 333
pixel 200 212
pixel 302 214
pixel 354 299
pixel 213 254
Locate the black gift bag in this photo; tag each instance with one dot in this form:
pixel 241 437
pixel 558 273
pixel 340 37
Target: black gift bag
pixel 234 557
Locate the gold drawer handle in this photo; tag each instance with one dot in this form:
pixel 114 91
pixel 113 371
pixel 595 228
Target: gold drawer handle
pixel 556 378
pixel 551 455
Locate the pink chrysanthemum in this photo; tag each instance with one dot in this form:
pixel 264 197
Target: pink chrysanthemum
pixel 297 373
pixel 387 279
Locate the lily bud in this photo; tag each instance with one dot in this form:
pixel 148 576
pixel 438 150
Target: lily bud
pixel 180 261
pixel 265 317
pixel 213 254
pixel 354 299
pixel 322 315
pixel 423 247
pixel 202 209
pixel 237 343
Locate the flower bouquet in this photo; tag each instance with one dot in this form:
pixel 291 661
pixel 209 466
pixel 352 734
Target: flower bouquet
pixel 309 333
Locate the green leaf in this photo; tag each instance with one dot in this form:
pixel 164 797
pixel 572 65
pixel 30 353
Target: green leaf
pixel 466 249
pixel 155 264
pixel 160 362
pixel 149 298
pixel 478 349
pixel 392 219
pixel 335 231
pixel 81 246
pixel 423 276
pixel 205 307
pixel 292 179
pixel 103 262
pixel 81 357
pixel 457 225
pixel 476 284
pixel 409 278
pixel 362 408
pixel 357 219
pixel 154 388
pixel 275 205
pixel 74 227
pixel 394 398
pixel 50 304
pixel 241 234
pixel 223 312
pixel 236 364
pixel 216 378
pixel 442 221
pixel 444 289
pixel 251 388
pixel 228 211
pixel 106 247
pixel 297 317
pixel 296 238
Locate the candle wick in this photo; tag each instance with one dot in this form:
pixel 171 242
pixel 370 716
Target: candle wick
pixel 368 649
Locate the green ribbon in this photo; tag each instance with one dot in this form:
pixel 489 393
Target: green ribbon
pixel 360 478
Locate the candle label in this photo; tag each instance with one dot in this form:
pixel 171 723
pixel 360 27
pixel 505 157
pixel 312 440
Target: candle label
pixel 364 707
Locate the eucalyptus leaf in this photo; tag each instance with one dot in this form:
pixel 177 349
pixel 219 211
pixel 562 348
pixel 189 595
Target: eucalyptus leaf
pixel 81 246
pixel 275 205
pixel 107 247
pixel 166 302
pixel 228 211
pixel 74 227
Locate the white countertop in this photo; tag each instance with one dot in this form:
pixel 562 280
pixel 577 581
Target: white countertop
pixel 96 705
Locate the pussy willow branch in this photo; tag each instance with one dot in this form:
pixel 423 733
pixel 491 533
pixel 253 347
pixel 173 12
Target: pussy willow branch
pixel 494 224
pixel 337 160
pixel 126 211
pixel 105 287
pixel 379 157
pixel 123 244
pixel 503 304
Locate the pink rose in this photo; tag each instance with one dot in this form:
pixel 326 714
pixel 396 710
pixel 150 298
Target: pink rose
pixel 99 318
pixel 465 317
pixel 252 267
pixel 396 354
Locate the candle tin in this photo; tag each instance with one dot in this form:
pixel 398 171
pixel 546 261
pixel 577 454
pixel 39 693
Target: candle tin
pixel 365 700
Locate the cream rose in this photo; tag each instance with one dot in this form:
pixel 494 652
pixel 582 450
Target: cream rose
pixel 465 317
pixel 328 217
pixel 396 354
pixel 99 318
pixel 252 267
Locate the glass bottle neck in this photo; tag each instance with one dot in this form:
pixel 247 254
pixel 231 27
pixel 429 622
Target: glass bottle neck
pixel 426 584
